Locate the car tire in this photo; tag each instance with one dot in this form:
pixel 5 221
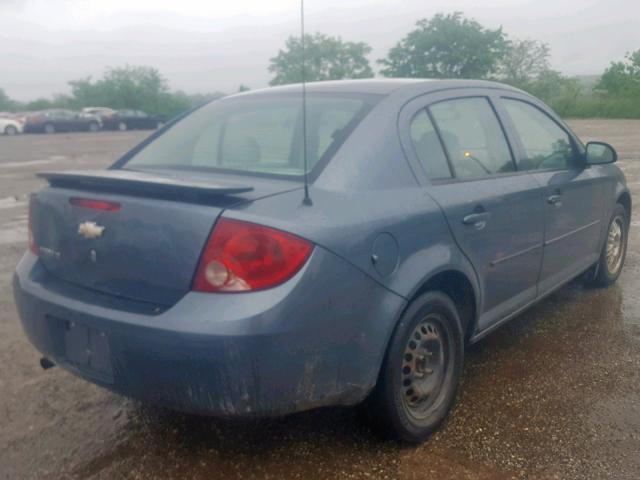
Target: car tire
pixel 159 125
pixel 614 250
pixel 10 130
pixel 420 374
pixel 122 126
pixel 94 127
pixel 49 128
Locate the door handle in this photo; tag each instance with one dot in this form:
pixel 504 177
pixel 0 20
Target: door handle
pixel 555 200
pixel 478 220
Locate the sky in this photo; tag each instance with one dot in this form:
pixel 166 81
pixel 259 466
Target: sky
pixel 204 46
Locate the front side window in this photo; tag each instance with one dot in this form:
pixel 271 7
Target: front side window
pixel 473 137
pixel 257 134
pixel 428 147
pixel 545 144
pixel 61 114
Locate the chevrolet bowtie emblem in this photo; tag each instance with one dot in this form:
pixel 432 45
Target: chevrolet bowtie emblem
pixel 90 230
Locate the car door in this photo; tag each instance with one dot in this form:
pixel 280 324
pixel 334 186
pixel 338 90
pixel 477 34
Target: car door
pixel 143 120
pixel 78 122
pixel 572 195
pixel 65 121
pixel 55 118
pixel 128 117
pixel 493 211
pixel 133 121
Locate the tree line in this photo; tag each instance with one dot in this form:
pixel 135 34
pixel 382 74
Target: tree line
pixel 453 46
pixel 443 46
pixel 131 87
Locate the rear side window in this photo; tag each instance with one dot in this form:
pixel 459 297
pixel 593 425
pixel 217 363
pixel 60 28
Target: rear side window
pixel 60 114
pixel 546 145
pixel 473 137
pixel 428 147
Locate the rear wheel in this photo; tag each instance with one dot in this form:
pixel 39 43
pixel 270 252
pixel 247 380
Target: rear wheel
pixel 122 126
pixel 614 250
pixel 94 127
pixel 420 374
pixel 10 130
pixel 49 128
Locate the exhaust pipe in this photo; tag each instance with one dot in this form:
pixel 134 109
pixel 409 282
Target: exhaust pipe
pixel 46 364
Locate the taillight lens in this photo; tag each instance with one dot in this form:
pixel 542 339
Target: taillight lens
pixel 241 256
pixel 32 241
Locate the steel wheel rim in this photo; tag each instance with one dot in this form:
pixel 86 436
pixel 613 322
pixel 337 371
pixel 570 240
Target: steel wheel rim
pixel 615 245
pixel 425 365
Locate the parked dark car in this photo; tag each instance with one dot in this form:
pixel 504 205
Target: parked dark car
pixel 59 120
pixel 197 274
pixel 132 120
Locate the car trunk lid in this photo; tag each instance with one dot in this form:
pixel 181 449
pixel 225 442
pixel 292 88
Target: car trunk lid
pixel 137 235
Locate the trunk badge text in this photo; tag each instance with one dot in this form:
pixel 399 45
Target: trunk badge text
pixel 90 230
pixel 50 252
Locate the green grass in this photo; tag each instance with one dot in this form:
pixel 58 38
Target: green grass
pixel 584 106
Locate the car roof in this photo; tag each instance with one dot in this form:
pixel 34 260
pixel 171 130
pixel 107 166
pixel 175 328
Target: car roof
pixel 379 86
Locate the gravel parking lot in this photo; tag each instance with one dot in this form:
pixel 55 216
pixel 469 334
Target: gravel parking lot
pixel 553 394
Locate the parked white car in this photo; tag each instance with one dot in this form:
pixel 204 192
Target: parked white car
pixel 10 126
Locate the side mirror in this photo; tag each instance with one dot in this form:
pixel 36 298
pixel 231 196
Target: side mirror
pixel 600 153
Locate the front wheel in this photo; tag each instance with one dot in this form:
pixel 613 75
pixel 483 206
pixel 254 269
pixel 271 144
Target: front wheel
pixel 49 129
pixel 420 374
pixel 614 250
pixel 93 127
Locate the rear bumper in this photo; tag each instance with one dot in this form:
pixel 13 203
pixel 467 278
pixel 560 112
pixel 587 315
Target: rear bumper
pixel 316 340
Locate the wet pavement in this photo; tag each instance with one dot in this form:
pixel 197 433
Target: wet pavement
pixel 553 394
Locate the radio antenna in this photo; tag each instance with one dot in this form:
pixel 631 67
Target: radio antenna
pixel 307 198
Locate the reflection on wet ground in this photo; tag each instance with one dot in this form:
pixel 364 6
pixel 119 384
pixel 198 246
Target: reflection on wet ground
pixel 554 387
pixel 553 394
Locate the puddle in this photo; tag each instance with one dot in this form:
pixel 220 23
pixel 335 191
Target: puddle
pixel 13 202
pixel 14 231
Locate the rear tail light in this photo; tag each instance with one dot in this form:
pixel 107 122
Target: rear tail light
pixel 241 256
pixel 32 241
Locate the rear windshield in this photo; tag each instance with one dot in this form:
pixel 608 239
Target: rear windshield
pixel 257 134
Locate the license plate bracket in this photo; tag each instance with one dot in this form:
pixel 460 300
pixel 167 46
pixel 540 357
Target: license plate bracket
pixel 87 349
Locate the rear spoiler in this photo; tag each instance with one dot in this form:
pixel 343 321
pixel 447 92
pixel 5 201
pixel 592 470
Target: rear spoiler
pixel 131 180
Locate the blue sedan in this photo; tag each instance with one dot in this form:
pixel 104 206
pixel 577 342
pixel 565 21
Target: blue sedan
pixel 209 271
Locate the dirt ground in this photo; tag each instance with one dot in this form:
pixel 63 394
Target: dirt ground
pixel 554 394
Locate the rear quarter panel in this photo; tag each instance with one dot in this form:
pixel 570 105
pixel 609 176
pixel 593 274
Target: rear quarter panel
pixel 351 224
